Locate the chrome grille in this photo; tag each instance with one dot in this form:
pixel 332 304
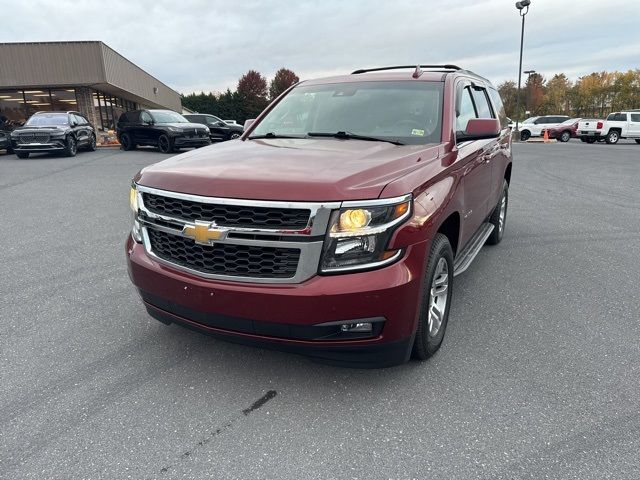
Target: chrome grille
pixel 34 137
pixel 226 259
pixel 228 215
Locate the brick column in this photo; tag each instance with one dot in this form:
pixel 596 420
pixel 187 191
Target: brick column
pixel 85 105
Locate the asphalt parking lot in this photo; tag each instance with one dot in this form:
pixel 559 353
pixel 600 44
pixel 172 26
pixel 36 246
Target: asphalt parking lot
pixel 538 376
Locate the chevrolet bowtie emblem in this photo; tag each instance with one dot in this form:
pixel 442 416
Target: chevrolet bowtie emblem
pixel 203 232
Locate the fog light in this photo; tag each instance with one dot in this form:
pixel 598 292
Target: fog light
pixel 136 231
pixel 366 327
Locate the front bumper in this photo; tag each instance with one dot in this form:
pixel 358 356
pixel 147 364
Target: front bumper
pixel 52 146
pixel 191 141
pixel 289 316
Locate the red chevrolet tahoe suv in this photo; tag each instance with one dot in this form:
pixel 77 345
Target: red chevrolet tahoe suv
pixel 335 225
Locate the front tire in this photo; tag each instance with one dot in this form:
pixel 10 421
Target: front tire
pixel 436 299
pixel 22 154
pixel 525 135
pixel 612 137
pixel 164 144
pixel 71 147
pixel 498 217
pixel 565 137
pixel 637 140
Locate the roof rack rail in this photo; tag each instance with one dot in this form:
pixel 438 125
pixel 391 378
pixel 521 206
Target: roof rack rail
pixel 378 69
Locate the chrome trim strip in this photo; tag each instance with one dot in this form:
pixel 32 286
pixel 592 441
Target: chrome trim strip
pixel 376 202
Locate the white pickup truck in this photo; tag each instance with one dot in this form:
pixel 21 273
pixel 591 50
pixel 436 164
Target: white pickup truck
pixel 617 125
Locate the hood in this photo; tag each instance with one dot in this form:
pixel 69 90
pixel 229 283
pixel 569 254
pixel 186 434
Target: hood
pixel 183 126
pixel 41 128
pixel 288 169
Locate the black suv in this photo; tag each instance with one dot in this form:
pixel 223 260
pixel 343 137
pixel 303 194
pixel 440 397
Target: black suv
pixel 63 132
pixel 5 141
pixel 220 130
pixel 167 130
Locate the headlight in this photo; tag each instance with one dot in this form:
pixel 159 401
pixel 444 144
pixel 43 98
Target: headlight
pixel 174 129
pixel 359 234
pixel 136 231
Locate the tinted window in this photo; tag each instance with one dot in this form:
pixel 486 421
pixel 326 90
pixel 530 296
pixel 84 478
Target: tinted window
pixel 498 107
pixel 77 118
pixel 635 117
pixel 467 111
pixel 408 112
pixel 617 117
pixel 482 104
pixel 145 117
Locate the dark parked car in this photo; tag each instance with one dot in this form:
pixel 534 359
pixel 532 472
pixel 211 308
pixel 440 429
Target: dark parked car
pixel 51 132
pixel 5 141
pixel 220 130
pixel 167 130
pixel 565 131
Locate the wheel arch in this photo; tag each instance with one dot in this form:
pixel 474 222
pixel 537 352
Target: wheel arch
pixel 507 174
pixel 450 228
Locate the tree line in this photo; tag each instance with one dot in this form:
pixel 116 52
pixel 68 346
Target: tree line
pixel 594 95
pixel 250 97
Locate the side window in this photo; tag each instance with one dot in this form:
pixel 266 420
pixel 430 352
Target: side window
pixel 635 117
pixel 145 117
pixel 467 110
pixel 482 104
pixel 622 117
pixel 498 107
pixel 540 121
pixel 76 118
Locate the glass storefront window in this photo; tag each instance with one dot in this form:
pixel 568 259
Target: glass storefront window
pixel 64 99
pixel 11 109
pixel 36 100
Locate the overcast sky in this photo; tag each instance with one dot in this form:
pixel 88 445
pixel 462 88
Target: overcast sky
pixel 194 45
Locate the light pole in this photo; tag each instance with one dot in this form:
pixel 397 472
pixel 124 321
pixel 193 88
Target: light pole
pixel 523 9
pixel 526 103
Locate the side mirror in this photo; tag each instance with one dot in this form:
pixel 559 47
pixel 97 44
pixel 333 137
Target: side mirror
pixel 221 124
pixel 248 123
pixel 480 129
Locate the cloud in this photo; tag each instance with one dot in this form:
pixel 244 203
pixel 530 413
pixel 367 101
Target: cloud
pixel 206 45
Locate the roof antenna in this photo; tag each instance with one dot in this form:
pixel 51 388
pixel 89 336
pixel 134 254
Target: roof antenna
pixel 417 72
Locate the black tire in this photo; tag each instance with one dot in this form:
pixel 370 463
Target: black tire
pixel 582 139
pixel 71 147
pixel 164 144
pixel 498 226
pixel 22 154
pixel 565 136
pixel 590 140
pixel 525 135
pixel 428 341
pixel 126 142
pixel 10 150
pixel 637 140
pixel 93 143
pixel 612 137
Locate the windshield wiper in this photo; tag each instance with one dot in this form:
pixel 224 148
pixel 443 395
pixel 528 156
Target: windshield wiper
pixel 273 135
pixel 354 136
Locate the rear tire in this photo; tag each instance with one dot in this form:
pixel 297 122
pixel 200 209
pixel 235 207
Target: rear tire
pixel 498 217
pixel 612 137
pixel 22 154
pixel 436 299
pixel 637 140
pixel 525 135
pixel 93 144
pixel 71 147
pixel 126 142
pixel 164 144
pixel 565 137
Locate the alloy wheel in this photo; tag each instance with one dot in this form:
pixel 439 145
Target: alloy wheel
pixel 438 297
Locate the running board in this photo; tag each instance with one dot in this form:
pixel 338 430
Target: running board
pixel 466 256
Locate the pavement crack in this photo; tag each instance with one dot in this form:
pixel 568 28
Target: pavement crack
pixel 220 430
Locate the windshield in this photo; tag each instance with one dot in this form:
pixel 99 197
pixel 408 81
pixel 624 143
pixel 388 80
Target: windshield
pixel 48 119
pixel 167 117
pixel 406 112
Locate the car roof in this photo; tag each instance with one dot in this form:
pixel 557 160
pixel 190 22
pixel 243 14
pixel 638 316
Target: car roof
pixel 402 73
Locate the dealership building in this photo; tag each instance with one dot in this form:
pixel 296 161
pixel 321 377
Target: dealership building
pixel 88 77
